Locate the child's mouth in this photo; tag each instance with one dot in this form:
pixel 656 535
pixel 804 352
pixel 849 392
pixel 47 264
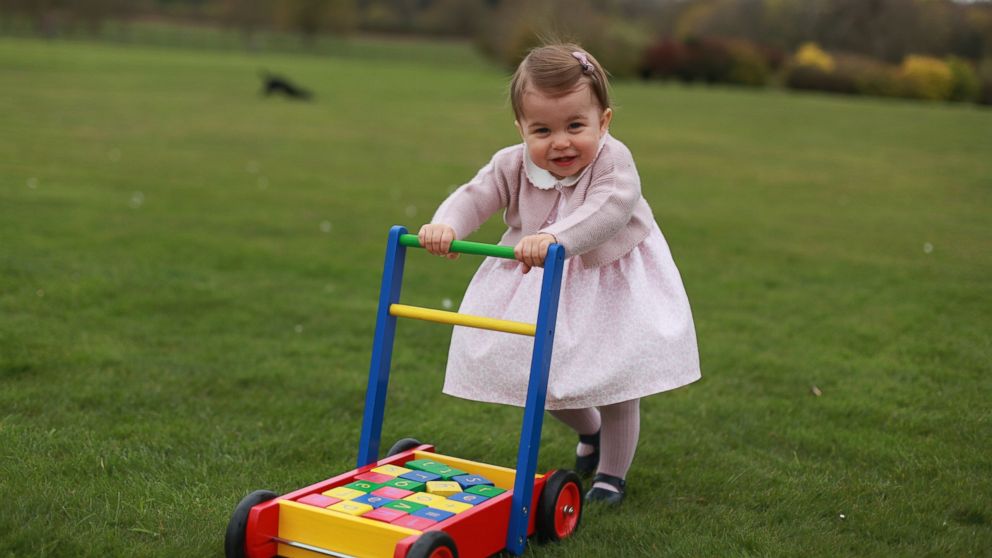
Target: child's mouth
pixel 564 161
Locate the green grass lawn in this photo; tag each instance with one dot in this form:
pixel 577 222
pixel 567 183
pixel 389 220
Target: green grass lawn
pixel 189 274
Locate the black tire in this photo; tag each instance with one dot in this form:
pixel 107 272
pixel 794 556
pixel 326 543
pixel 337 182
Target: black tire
pixel 559 509
pixel 431 542
pixel 403 445
pixel 234 539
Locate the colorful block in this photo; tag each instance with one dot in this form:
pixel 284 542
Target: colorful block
pixel 364 486
pixel 443 488
pixel 372 500
pixel 423 464
pixel 447 473
pixel 468 481
pixel 351 508
pixel 377 478
pixel 451 506
pixel 424 498
pixel 414 522
pixel 406 484
pixel 433 514
pixel 420 476
pixel 404 506
pixel 343 493
pixel 318 500
pixel 393 493
pixel 487 491
pixel 468 498
pixel 391 470
pixel 385 514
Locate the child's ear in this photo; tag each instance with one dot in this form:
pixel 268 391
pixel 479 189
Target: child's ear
pixel 605 119
pixel 520 129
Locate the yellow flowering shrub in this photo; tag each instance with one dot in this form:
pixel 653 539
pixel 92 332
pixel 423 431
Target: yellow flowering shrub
pixel 926 77
pixel 810 54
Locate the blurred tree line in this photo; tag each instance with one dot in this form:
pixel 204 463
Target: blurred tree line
pixel 749 42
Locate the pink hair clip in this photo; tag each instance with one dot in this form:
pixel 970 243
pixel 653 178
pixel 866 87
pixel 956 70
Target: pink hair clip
pixel 583 61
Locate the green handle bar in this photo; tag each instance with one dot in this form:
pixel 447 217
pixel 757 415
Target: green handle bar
pixel 466 247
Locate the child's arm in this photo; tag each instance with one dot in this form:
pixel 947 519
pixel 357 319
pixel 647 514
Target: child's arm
pixel 608 206
pixel 468 207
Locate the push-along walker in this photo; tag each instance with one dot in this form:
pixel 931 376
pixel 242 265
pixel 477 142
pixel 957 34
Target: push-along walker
pixel 416 503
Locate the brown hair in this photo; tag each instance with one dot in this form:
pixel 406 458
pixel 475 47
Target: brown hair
pixel 555 70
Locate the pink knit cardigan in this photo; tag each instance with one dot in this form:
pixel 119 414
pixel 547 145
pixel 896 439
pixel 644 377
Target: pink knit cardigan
pixel 603 217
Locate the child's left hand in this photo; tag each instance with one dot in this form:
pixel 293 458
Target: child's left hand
pixel 531 250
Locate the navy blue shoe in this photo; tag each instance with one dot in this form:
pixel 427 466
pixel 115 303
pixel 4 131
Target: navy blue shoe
pixel 605 496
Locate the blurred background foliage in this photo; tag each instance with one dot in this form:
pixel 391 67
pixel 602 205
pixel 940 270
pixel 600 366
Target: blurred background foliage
pixel 937 50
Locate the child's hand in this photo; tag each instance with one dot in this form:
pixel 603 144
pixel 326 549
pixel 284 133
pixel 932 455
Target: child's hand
pixel 437 240
pixel 531 250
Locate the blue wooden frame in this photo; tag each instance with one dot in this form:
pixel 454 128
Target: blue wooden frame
pixel 382 349
pixel 537 387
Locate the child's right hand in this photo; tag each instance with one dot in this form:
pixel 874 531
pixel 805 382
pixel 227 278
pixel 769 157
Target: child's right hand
pixel 437 239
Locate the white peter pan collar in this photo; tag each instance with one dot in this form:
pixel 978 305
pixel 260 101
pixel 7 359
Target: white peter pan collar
pixel 544 180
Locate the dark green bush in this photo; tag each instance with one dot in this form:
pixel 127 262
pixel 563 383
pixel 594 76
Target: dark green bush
pixel 965 84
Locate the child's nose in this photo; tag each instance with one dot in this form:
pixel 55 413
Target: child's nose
pixel 560 141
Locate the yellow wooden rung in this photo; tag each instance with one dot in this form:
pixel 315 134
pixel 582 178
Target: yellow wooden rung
pixel 454 318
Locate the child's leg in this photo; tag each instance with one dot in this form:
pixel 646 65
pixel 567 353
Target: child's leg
pixel 621 425
pixel 584 422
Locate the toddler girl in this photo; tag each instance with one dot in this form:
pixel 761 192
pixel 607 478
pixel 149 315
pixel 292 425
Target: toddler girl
pixel 624 326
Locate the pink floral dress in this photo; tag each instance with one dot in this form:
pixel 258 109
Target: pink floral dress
pixel 624 329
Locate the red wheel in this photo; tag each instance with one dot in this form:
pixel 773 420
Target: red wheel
pixel 433 544
pixel 560 506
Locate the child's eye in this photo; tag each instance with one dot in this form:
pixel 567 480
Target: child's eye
pixel 575 126
pixel 542 131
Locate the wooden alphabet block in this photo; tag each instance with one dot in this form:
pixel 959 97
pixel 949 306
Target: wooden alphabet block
pixel 351 508
pixel 443 488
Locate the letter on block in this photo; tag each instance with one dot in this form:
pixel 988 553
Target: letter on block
pixel 364 486
pixel 423 464
pixel 468 481
pixel 447 473
pixel 424 498
pixel 404 506
pixel 350 508
pixel 420 476
pixel 406 484
pixel 443 488
pixel 468 498
pixel 487 491
pixel 433 514
pixel 374 501
pixel 391 470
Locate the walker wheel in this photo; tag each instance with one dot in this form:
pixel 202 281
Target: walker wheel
pixel 234 539
pixel 560 507
pixel 403 445
pixel 433 544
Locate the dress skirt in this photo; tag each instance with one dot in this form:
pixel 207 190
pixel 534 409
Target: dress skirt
pixel 624 331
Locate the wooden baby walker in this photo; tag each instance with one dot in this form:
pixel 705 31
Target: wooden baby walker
pixel 416 503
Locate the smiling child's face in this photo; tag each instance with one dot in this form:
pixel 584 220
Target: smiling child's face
pixel 562 133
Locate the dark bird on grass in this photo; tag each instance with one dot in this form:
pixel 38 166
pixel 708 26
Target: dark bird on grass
pixel 278 85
